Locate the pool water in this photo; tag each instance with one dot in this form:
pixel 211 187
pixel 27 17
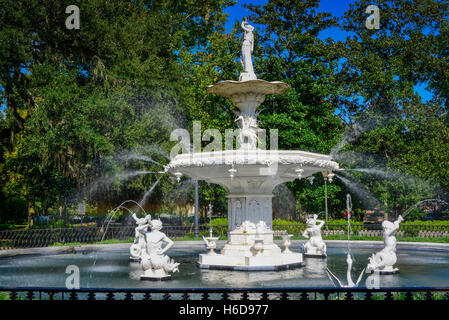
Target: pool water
pixel 111 268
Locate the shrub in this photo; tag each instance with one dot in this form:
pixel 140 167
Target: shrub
pixel 426 223
pixel 220 221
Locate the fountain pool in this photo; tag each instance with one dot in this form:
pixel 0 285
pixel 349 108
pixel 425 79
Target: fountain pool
pixel 112 269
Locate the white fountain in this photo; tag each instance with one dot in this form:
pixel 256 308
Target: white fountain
pixel 249 174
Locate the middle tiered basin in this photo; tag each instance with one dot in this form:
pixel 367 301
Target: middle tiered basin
pixel 271 166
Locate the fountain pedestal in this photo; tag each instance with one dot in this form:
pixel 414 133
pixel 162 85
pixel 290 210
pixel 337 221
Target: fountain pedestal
pixel 250 248
pixel 252 208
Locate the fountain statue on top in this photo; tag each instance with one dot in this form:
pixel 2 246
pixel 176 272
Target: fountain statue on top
pixel 247 51
pixel 139 244
pixel 249 174
pixel 383 261
pixel 315 246
pixel 154 262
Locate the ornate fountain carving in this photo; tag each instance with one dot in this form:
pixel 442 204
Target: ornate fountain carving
pixel 139 244
pixel 249 174
pixel 211 244
pixel 248 129
pixel 286 241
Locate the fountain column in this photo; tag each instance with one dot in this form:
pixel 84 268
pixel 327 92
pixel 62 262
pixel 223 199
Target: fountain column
pixel 252 208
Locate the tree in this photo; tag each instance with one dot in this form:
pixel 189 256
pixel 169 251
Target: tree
pixel 394 131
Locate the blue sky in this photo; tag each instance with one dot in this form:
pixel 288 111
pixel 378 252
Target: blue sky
pixel 335 7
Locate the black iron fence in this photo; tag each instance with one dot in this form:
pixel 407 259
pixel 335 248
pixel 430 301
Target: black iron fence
pixel 224 294
pixel 50 237
pixel 34 238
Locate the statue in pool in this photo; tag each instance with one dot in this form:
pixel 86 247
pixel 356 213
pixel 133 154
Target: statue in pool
pixel 315 246
pixel 247 51
pixel 383 261
pixel 139 244
pixel 154 262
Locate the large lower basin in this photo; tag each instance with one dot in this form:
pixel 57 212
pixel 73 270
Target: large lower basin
pixel 111 268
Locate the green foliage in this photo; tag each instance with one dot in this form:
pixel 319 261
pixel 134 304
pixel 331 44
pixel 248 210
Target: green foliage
pixel 77 101
pixel 425 223
pixel 390 128
pixel 108 241
pixel 277 221
pixel 4 296
pixel 77 98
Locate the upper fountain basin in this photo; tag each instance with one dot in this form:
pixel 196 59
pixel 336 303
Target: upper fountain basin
pixel 247 95
pixel 250 171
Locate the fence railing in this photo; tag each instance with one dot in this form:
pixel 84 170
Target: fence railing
pixel 59 236
pixel 49 237
pixel 225 294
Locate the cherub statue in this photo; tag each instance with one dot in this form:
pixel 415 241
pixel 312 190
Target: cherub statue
pixel 384 260
pixel 315 245
pixel 139 240
pixel 262 227
pixel 247 227
pixel 247 50
pixel 156 264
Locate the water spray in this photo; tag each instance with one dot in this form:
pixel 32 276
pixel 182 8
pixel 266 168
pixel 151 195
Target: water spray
pixel 114 211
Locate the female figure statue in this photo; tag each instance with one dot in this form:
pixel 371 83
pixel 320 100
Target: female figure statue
pixel 247 50
pixel 315 246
